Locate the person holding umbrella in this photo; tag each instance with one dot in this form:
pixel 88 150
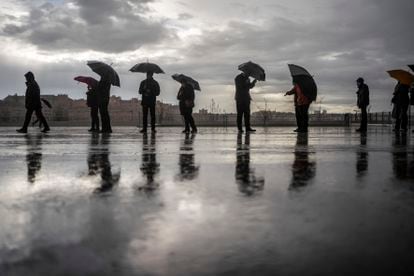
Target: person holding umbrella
pixel 149 89
pixel 91 100
pixel 362 103
pixel 186 97
pixel 33 104
pixel 401 104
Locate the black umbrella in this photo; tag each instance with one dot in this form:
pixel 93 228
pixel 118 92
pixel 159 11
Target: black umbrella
pixel 46 102
pixel 187 79
pixel 305 81
pixel 105 71
pixel 145 67
pixel 253 70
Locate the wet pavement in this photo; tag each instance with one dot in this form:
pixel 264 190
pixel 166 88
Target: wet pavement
pixel 332 202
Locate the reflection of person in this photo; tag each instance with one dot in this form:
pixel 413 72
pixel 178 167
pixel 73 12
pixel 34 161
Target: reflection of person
pixel 104 90
pixel 98 163
pixel 248 183
pixel 302 103
pixel 186 97
pixel 33 104
pixel 363 103
pixel 401 103
pixel 149 166
pixel 34 156
pixel 303 169
pixel 403 165
pixel 243 99
pixel 362 157
pixel 92 102
pixel 188 169
pixel 149 89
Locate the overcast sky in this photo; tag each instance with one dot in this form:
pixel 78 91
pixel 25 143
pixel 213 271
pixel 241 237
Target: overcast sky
pixel 336 40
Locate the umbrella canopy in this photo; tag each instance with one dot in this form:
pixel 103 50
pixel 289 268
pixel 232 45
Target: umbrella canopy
pixel 147 67
pixel 305 81
pixel 105 71
pixel 411 66
pixel 88 80
pixel 253 70
pixel 296 70
pixel 402 76
pixel 189 80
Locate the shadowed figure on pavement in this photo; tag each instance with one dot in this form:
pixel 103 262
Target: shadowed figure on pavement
pixel 99 164
pixel 93 103
pixel 246 178
pixel 149 165
pixel 403 159
pixel 401 103
pixel 243 99
pixel 363 103
pixel 188 169
pixel 185 99
pixel 149 89
pixel 104 90
pixel 303 167
pixel 33 156
pixel 33 104
pixel 362 156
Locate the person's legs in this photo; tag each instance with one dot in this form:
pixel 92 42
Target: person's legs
pixel 239 116
pixel 42 119
pixel 106 121
pixel 95 117
pixel 144 117
pixel 152 112
pixel 246 109
pixel 27 119
pixel 398 118
pixel 297 116
pixel 305 117
pixel 187 121
pixel 404 118
pixel 364 119
pixel 191 121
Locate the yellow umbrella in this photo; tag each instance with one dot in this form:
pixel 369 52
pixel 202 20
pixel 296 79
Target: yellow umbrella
pixel 402 76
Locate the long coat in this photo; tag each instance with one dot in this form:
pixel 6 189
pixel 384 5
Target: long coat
pixel 103 91
pixel 149 89
pixel 363 96
pixel 32 96
pixel 401 97
pixel 243 86
pixel 186 97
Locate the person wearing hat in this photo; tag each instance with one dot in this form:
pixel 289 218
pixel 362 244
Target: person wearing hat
pixel 33 104
pixel 362 103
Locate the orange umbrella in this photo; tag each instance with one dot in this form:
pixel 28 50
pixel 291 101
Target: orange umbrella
pixel 402 76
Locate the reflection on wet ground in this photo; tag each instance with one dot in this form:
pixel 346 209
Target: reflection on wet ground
pixel 331 202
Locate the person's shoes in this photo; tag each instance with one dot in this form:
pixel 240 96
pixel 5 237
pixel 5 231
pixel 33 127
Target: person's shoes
pixel 105 131
pixel 194 131
pixel 250 130
pixel 360 130
pixel 91 129
pixel 296 130
pixel 143 130
pixel 403 131
pixel 153 130
pixel 45 130
pixel 395 130
pixel 241 130
pixel 185 131
pixel 21 130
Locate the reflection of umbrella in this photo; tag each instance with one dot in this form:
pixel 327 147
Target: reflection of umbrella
pixel 253 70
pixel 305 81
pixel 187 79
pixel 105 71
pixel 88 80
pixel 146 67
pixel 411 66
pixel 402 76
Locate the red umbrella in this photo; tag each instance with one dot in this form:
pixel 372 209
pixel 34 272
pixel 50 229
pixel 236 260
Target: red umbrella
pixel 88 80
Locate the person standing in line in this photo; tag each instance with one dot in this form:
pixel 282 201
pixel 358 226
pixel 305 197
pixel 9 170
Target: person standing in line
pixel 149 89
pixel 243 99
pixel 33 104
pixel 302 104
pixel 92 102
pixel 362 103
pixel 401 103
pixel 186 97
pixel 103 90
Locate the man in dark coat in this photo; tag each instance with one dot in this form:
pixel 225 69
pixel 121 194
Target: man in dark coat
pixel 362 102
pixel 149 89
pixel 186 98
pixel 401 103
pixel 92 102
pixel 243 86
pixel 103 89
pixel 33 104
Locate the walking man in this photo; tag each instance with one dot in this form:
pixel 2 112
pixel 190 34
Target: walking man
pixel 149 89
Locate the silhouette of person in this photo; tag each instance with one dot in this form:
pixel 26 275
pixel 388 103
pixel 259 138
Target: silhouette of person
pixel 302 104
pixel 33 104
pixel 99 164
pixel 401 103
pixel 362 157
pixel 149 165
pixel 403 165
pixel 104 90
pixel 93 103
pixel 362 103
pixel 303 168
pixel 243 99
pixel 188 169
pixel 149 89
pixel 33 156
pixel 186 97
pixel 245 176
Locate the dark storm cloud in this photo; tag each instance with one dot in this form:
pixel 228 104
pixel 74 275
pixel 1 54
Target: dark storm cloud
pixel 100 25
